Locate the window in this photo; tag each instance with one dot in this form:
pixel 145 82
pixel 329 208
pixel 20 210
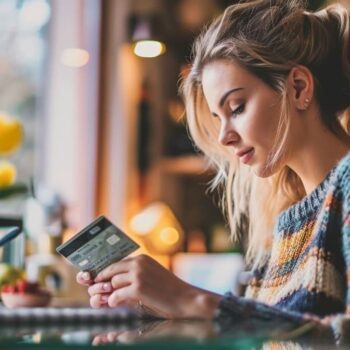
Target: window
pixel 23 54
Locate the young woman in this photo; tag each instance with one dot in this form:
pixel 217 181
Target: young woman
pixel 267 100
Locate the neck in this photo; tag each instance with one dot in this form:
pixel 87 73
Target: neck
pixel 320 151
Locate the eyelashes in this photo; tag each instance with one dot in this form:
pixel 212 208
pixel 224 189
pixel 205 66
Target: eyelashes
pixel 239 110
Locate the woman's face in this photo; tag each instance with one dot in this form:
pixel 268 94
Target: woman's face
pixel 248 110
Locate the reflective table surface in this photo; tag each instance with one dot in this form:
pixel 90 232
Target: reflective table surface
pixel 136 333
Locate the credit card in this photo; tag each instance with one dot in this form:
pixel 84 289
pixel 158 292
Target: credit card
pixel 97 246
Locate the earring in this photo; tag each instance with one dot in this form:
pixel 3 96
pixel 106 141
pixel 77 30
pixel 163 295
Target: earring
pixel 306 103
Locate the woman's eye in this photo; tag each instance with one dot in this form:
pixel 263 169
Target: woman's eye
pixel 238 110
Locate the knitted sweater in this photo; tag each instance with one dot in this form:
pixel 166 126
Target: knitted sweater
pixel 309 267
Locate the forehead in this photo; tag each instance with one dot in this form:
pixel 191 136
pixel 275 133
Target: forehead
pixel 220 76
pixel 224 71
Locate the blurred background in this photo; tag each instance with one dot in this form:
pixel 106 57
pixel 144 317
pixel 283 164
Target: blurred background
pixel 91 123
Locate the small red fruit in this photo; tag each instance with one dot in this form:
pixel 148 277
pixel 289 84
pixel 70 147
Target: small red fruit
pixel 21 286
pixel 25 286
pixel 11 288
pixel 5 288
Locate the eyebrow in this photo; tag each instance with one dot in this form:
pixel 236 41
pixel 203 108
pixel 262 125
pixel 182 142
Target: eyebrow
pixel 226 94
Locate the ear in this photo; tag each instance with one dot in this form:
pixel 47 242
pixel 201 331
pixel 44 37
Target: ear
pixel 301 87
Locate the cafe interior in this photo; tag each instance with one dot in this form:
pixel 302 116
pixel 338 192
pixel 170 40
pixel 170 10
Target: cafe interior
pixel 92 124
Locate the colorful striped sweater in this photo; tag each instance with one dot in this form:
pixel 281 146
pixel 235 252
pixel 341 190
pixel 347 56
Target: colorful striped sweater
pixel 309 267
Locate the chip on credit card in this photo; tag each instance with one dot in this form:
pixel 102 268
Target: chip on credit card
pixel 97 246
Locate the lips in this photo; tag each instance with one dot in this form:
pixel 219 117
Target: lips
pixel 245 155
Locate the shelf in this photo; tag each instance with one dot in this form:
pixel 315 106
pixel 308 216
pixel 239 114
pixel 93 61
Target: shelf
pixel 185 165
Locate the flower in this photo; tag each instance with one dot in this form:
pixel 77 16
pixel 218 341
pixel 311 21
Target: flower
pixel 11 134
pixel 11 137
pixel 7 174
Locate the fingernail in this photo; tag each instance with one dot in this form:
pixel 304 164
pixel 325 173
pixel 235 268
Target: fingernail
pixel 86 276
pixel 106 287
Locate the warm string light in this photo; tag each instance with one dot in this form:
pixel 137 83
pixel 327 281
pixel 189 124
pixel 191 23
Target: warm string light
pixel 169 235
pixel 158 228
pixel 149 48
pixel 145 37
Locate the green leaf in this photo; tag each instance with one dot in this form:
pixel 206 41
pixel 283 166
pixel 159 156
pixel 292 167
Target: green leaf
pixel 9 191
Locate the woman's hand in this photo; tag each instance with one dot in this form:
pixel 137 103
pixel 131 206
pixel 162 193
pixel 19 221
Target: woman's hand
pixel 143 281
pixel 99 291
pixel 195 330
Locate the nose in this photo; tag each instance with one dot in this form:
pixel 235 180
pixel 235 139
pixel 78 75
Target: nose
pixel 228 136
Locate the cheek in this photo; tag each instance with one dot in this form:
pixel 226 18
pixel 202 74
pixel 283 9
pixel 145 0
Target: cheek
pixel 260 129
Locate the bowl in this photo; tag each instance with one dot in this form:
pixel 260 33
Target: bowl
pixel 14 300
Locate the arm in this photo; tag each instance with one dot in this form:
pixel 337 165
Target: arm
pixel 142 282
pixel 341 323
pixel 163 295
pixel 161 292
pixel 233 310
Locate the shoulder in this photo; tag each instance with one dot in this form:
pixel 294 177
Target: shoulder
pixel 342 173
pixel 339 184
pixel 344 164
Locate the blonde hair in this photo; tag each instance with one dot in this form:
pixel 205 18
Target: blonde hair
pixel 268 38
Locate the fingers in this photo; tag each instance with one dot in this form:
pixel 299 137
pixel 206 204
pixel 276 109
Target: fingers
pixel 101 292
pixel 100 339
pixel 99 300
pixel 113 336
pixel 121 296
pixel 112 270
pixel 106 338
pixel 117 284
pixel 120 281
pixel 128 336
pixel 84 278
pixel 100 288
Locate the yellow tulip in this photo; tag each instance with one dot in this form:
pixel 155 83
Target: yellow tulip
pixel 11 134
pixel 10 274
pixel 7 174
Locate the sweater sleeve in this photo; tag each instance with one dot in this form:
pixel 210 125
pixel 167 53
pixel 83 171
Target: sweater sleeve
pixel 233 309
pixel 240 314
pixel 341 322
pixel 346 230
pixel 343 191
